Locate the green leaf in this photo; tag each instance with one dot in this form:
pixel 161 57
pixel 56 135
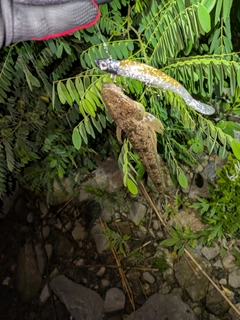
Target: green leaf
pixel 236 148
pixel 238 76
pixel 76 139
pixel 132 187
pixel 60 91
pixel 226 9
pixel 182 179
pixel 169 242
pixel 209 4
pixel 204 18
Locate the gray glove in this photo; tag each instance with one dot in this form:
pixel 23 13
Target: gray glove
pixel 43 19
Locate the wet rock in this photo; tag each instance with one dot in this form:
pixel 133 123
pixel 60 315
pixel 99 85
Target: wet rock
pixel 137 212
pixel 211 252
pixel 234 278
pixel 79 232
pixel 40 258
pixel 100 240
pixel 114 301
pixel 28 277
pixel 196 286
pixel 215 303
pixel 162 307
pixel 63 246
pixel 148 277
pixel 81 302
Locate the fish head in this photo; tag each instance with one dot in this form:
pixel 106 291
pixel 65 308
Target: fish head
pixel 119 105
pixel 108 65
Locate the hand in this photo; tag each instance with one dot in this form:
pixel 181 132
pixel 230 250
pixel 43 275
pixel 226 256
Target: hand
pixel 44 19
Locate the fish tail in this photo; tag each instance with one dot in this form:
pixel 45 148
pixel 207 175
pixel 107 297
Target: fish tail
pixel 201 107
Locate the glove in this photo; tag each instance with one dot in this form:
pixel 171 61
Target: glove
pixel 44 19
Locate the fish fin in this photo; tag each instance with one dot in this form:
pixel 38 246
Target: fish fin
pixel 153 137
pixel 119 134
pixel 153 122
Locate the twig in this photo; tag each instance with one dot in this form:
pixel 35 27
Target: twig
pixel 117 267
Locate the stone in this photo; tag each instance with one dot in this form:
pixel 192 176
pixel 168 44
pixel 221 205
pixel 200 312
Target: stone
pixel 101 272
pixel 30 217
pixel 165 288
pixel 44 294
pixel 79 232
pixel 45 231
pixel 162 307
pixel 100 240
pixel 6 281
pixel 62 246
pixel 234 278
pixel 156 224
pixel 209 171
pixel 196 286
pixel 105 283
pixel 40 258
pixel 114 301
pixel 215 303
pixel 28 277
pixel 218 264
pixel 233 313
pixel 43 208
pixel 211 252
pixel 137 212
pixel 228 261
pixel 81 302
pixel 168 275
pixel 49 250
pixel 188 217
pixel 148 277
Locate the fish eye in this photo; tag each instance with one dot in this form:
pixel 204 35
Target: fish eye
pixel 103 65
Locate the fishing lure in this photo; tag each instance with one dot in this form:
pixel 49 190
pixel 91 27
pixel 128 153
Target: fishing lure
pixel 152 77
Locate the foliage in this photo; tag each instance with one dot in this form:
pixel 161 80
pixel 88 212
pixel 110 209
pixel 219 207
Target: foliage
pixel 160 263
pixel 117 241
pixel 222 211
pixel 53 119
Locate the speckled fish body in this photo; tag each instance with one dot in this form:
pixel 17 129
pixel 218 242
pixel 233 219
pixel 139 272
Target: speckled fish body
pixel 152 77
pixel 130 116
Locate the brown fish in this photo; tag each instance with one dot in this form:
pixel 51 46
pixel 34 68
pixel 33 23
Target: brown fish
pixel 138 125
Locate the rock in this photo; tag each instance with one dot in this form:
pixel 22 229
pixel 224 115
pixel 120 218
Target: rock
pixel 45 231
pixel 211 252
pixel 114 301
pixel 223 282
pixel 233 313
pixel 234 278
pixel 156 224
pixel 228 261
pixel 209 171
pixel 79 232
pixel 6 281
pixel 105 283
pixel 49 250
pixel 218 264
pixel 101 272
pixel 162 307
pixel 165 288
pixel 30 217
pixel 63 246
pixel 215 303
pixel 43 208
pixel 188 217
pixel 100 240
pixel 44 294
pixel 81 302
pixel 148 277
pixel 195 286
pixel 137 212
pixel 168 275
pixel 40 258
pixel 28 277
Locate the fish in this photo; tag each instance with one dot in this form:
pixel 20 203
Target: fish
pixel 139 126
pixel 152 77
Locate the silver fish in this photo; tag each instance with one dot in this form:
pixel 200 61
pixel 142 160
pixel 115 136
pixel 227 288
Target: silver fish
pixel 152 77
